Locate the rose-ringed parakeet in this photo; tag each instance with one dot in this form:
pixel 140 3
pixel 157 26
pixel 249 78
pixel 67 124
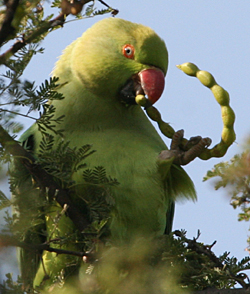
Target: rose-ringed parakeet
pixel 99 75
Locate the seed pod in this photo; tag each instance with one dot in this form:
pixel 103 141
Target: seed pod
pixel 205 78
pixel 155 115
pixel 222 97
pixel 228 116
pixel 141 100
pixel 188 68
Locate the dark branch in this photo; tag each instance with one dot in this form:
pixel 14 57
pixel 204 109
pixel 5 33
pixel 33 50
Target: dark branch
pixel 7 29
pixel 32 35
pixel 43 179
pixel 206 250
pixel 6 240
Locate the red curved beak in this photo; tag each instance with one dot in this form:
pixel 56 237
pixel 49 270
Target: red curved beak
pixel 152 82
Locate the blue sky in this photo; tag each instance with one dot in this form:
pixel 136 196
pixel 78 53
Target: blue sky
pixel 215 35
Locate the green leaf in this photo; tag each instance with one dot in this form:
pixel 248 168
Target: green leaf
pixel 4 201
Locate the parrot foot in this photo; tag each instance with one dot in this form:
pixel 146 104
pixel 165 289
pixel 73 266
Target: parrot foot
pixel 184 154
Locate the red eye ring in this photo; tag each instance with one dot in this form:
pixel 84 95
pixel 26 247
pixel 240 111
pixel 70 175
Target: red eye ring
pixel 128 51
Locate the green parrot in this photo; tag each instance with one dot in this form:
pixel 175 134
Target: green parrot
pixel 100 75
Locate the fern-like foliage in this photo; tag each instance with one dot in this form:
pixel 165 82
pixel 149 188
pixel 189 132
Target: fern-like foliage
pixel 62 161
pixel 199 267
pixel 35 99
pixel 91 10
pixel 234 175
pixel 98 193
pixel 10 286
pixel 4 201
pixel 19 97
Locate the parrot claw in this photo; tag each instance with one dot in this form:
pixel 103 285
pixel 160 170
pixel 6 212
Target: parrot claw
pixel 184 154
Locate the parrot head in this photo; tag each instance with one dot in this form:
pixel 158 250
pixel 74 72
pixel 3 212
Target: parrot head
pixel 117 59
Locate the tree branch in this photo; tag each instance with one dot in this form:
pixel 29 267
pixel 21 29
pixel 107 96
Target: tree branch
pixel 206 250
pixel 43 179
pixel 7 29
pixel 45 26
pixel 32 35
pixel 6 240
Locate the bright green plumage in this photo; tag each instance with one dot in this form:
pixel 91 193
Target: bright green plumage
pixel 91 72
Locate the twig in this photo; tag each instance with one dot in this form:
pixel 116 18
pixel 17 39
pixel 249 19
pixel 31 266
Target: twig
pixel 206 250
pixel 7 29
pixel 114 11
pixel 31 36
pixel 45 26
pixel 6 240
pixel 43 179
pixel 17 113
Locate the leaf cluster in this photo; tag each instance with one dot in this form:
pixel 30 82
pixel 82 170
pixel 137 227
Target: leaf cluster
pixel 62 161
pixel 28 28
pixel 98 187
pixel 234 175
pixel 9 286
pixel 198 266
pixel 91 11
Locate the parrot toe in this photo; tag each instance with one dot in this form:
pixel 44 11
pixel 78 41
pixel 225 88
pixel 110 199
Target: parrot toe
pixel 184 154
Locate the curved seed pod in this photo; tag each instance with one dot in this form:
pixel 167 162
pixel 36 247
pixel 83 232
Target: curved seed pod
pixel 222 97
pixel 141 100
pixel 155 115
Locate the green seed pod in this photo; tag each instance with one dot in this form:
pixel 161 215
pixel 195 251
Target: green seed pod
pixel 227 136
pixel 205 78
pixel 153 113
pixel 166 129
pixel 141 100
pixel 228 116
pixel 188 68
pixel 221 95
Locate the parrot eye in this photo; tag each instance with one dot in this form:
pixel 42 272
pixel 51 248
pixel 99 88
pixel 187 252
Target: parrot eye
pixel 128 51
